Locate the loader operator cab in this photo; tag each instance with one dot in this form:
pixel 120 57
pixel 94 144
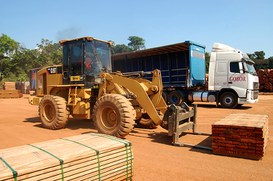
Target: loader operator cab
pixel 84 59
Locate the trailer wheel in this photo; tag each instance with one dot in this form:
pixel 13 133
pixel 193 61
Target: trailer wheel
pixel 113 114
pixel 228 100
pixel 53 112
pixel 175 97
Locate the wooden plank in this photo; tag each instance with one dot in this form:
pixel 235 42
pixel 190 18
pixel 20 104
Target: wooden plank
pixel 241 135
pixel 87 155
pixel 103 157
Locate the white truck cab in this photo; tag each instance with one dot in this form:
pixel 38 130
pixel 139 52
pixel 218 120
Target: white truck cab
pixel 232 75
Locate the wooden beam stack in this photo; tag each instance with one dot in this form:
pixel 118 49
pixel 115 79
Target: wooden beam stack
pixel 241 135
pixel 265 80
pixel 10 94
pixel 10 91
pixel 85 157
pixel 9 86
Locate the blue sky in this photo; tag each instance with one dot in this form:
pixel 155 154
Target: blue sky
pixel 243 24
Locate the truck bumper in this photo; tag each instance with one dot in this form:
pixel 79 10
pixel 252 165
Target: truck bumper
pixel 251 97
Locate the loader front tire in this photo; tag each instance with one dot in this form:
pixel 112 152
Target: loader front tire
pixel 113 114
pixel 53 112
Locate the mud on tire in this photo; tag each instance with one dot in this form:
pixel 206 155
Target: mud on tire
pixel 53 112
pixel 113 114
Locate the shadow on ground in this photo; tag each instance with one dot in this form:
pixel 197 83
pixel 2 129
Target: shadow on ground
pixel 211 106
pixel 197 141
pixel 72 124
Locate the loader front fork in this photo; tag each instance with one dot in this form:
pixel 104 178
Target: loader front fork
pixel 179 119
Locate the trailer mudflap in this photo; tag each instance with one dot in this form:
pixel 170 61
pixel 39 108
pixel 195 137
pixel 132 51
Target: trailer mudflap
pixel 181 119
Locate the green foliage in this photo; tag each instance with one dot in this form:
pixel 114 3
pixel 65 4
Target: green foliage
pixel 270 62
pixel 49 53
pixel 7 45
pixel 120 48
pixel 260 62
pixel 257 55
pixel 16 61
pixel 136 43
pixel 207 58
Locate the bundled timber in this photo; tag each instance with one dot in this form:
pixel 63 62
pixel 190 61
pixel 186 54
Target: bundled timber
pixel 85 157
pixel 265 80
pixel 241 135
pixel 9 86
pixel 9 91
pixel 10 94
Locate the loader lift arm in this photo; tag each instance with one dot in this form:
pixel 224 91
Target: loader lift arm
pixel 180 121
pixel 175 119
pixel 147 94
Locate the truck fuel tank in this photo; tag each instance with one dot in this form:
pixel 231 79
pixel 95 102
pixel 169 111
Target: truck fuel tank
pixel 202 96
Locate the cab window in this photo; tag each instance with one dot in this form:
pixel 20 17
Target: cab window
pixel 234 67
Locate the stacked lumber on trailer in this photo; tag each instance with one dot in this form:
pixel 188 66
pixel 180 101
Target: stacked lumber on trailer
pixel 85 157
pixel 241 135
pixel 10 91
pixel 265 79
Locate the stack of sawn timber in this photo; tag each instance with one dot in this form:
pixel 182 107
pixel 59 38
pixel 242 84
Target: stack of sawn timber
pixel 241 135
pixel 85 157
pixel 10 91
pixel 265 80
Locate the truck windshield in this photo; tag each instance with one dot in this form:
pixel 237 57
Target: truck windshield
pixel 249 66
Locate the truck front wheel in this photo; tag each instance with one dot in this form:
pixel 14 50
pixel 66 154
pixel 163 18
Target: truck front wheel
pixel 228 100
pixel 113 114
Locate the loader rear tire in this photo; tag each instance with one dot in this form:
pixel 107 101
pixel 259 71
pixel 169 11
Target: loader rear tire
pixel 113 114
pixel 53 112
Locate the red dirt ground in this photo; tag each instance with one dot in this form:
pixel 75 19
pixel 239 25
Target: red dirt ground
pixel 154 156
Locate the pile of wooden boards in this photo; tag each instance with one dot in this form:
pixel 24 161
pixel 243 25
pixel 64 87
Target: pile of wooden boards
pixel 241 135
pixel 89 156
pixel 265 80
pixel 9 91
pixel 9 86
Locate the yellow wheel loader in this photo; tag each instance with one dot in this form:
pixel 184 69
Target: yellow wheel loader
pixel 85 87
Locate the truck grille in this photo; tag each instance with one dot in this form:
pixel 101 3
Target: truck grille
pixel 256 94
pixel 255 85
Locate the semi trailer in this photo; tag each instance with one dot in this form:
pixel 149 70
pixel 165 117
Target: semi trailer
pixel 232 79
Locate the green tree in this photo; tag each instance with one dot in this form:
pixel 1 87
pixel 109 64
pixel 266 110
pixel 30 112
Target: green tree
pixel 270 62
pixel 136 43
pixel 207 58
pixel 17 61
pixel 49 53
pixel 120 48
pixel 7 46
pixel 257 55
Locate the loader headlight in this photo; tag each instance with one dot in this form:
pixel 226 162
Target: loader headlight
pixel 98 80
